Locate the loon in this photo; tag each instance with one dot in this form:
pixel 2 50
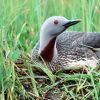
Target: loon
pixel 66 50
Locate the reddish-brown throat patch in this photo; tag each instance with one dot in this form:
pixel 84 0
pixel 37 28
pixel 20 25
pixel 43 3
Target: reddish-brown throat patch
pixel 48 52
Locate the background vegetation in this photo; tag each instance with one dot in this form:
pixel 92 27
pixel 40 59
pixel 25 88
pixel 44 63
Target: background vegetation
pixel 20 22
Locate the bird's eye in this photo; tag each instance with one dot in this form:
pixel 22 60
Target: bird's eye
pixel 56 22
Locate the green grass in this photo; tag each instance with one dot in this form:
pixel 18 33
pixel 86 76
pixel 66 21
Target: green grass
pixel 20 22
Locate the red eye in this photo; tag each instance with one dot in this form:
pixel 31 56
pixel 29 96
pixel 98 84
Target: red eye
pixel 56 22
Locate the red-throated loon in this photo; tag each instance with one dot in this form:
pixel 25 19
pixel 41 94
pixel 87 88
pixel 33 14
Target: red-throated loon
pixel 66 50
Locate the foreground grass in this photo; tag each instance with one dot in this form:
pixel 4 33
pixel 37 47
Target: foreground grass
pixel 20 21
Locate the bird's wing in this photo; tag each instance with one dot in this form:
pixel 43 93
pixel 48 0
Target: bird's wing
pixel 91 39
pixel 65 39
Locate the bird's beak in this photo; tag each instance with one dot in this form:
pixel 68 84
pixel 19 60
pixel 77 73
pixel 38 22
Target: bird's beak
pixel 71 22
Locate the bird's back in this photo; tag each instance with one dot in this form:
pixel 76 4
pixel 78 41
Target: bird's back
pixel 70 39
pixel 66 39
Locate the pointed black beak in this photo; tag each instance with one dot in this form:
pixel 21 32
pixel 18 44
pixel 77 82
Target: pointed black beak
pixel 70 23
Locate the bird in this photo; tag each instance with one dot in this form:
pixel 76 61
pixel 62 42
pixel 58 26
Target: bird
pixel 65 50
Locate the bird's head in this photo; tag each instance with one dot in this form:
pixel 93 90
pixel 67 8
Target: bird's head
pixel 55 25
